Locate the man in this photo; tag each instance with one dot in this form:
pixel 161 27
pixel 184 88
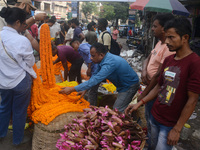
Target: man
pixel 33 30
pixel 62 32
pixel 77 30
pixel 115 33
pixel 44 21
pixel 50 24
pixel 91 36
pixel 104 39
pixel 27 6
pixel 70 34
pixel 84 51
pixel 178 87
pixel 55 31
pixel 114 68
pixel 66 53
pixel 108 29
pixel 153 64
pixel 130 32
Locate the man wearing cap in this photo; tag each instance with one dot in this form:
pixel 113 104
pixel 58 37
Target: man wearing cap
pixel 27 6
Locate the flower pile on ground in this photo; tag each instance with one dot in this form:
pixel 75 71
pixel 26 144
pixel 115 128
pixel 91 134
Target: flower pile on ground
pixel 102 129
pixel 46 103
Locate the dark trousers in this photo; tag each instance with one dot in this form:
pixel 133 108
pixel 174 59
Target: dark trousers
pixel 75 71
pixel 15 102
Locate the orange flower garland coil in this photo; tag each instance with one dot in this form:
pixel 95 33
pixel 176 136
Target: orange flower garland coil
pixel 46 103
pixel 48 77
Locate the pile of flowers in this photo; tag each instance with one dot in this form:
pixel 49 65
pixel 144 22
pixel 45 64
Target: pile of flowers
pixel 109 87
pixel 46 102
pixel 102 129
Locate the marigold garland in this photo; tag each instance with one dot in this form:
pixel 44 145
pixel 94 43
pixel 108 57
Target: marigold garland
pixel 48 77
pixel 46 103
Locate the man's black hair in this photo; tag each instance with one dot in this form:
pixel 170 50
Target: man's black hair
pixel 103 22
pixel 54 18
pixel 89 26
pixel 69 21
pixel 181 25
pixel 93 23
pixel 75 21
pixel 47 17
pixel 51 21
pixel 100 48
pixel 66 27
pixel 163 18
pixel 74 40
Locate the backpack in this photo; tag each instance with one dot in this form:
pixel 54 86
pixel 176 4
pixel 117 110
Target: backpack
pixel 114 47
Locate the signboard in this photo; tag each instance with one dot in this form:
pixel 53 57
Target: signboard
pixel 131 20
pixel 132 12
pixel 74 9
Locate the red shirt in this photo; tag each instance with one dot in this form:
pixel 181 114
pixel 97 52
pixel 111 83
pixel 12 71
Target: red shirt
pixel 130 32
pixel 176 79
pixel 34 31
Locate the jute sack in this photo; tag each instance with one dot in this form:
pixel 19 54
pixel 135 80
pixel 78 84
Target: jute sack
pixel 45 136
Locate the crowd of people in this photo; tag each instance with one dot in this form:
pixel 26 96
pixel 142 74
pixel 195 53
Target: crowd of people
pixel 64 31
pixel 171 72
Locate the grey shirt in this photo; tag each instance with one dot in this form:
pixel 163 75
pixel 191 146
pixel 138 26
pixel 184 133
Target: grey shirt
pixel 91 37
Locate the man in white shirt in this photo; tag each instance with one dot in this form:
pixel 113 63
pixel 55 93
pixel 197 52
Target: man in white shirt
pixel 70 34
pixel 55 30
pixel 104 39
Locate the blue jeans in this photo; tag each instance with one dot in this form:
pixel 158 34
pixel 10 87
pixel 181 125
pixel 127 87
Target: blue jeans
pixel 15 102
pixel 124 98
pixel 159 135
pixel 148 107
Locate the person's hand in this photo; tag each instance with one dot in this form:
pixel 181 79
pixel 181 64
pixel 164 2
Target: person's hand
pixel 133 107
pixel 89 72
pixel 40 16
pixel 82 93
pixel 173 137
pixel 66 90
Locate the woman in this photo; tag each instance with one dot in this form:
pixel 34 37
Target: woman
pixel 16 72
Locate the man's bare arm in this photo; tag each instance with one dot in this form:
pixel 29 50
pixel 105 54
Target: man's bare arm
pixel 189 107
pixel 39 17
pixel 144 78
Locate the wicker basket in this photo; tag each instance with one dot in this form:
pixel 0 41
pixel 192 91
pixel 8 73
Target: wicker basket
pixel 46 136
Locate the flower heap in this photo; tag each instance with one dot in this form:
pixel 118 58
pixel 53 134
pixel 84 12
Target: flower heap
pixel 48 77
pixel 46 103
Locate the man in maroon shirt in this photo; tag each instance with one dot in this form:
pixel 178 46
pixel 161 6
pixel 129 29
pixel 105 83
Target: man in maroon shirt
pixel 67 53
pixel 178 88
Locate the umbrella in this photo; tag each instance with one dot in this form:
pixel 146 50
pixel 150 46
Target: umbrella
pixel 168 6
